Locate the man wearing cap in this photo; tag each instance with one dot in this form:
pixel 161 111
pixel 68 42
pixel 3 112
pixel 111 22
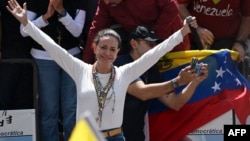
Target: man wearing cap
pixel 150 85
pixel 161 15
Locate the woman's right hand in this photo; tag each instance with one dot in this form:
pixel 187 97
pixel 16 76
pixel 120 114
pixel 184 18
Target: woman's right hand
pixel 186 29
pixel 17 11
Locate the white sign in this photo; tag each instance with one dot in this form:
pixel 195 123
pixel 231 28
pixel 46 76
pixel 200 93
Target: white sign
pixel 214 130
pixel 18 124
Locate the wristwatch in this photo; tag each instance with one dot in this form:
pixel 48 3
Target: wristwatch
pixel 174 83
pixel 62 14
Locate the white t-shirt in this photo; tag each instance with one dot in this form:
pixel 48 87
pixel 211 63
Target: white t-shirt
pixel 82 75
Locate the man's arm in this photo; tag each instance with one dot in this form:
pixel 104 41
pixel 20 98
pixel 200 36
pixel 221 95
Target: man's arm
pixel 183 11
pixel 148 91
pixel 243 34
pixel 165 90
pixel 155 90
pixel 244 29
pixel 176 101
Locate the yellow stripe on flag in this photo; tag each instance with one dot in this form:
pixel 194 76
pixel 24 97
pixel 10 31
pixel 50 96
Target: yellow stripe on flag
pixel 175 59
pixel 83 132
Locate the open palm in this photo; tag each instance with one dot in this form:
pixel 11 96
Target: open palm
pixel 17 11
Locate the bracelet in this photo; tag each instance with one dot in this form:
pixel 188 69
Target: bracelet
pixel 62 14
pixel 174 83
pixel 241 42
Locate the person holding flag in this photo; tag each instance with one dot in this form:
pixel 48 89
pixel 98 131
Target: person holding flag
pixel 150 85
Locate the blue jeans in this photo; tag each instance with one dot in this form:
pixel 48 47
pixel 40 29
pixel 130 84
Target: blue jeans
pixel 57 91
pixel 118 137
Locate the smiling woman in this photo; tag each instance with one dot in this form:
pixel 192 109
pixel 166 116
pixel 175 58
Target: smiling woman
pixel 106 46
pixel 102 87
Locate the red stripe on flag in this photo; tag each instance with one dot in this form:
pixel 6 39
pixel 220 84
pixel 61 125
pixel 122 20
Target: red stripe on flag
pixel 171 125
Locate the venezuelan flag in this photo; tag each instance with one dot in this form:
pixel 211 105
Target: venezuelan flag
pixel 225 89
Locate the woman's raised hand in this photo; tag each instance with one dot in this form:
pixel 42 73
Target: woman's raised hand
pixel 17 11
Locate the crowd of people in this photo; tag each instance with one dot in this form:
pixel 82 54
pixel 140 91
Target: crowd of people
pixel 115 76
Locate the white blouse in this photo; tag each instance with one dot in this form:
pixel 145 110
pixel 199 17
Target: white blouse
pixel 81 73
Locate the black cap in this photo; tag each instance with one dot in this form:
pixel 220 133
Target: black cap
pixel 143 32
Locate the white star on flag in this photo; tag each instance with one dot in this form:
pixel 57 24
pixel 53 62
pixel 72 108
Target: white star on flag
pixel 220 72
pixel 216 86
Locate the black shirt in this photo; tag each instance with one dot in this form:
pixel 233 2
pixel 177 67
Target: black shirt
pixel 134 108
pixel 55 27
